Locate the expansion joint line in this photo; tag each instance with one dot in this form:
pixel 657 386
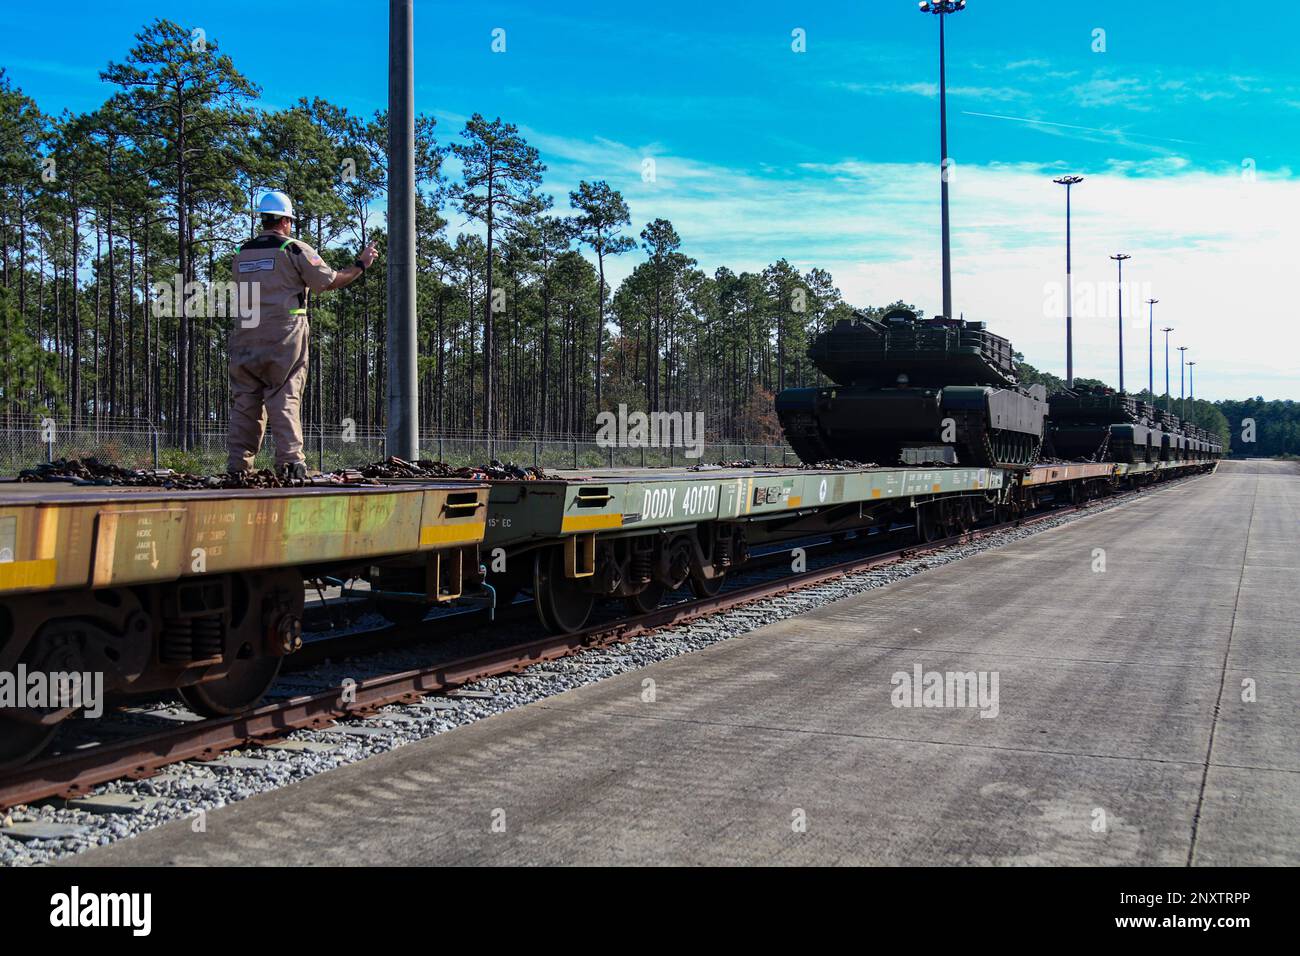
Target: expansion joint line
pixel 1223 679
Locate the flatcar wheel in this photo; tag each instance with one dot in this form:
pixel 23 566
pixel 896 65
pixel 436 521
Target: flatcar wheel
pixel 563 606
pixel 965 515
pixel 951 518
pixel 706 587
pixel 646 600
pixel 241 689
pixel 21 741
pixel 930 523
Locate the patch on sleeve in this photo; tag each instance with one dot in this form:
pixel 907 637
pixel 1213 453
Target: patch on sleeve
pixel 257 265
pixel 314 260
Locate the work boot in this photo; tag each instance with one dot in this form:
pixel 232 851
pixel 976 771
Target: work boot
pixel 297 471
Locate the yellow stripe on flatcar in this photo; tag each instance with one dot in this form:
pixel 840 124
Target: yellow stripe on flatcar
pixel 47 532
pixel 876 492
pixel 443 533
pixel 39 573
pixel 590 522
pixel 795 501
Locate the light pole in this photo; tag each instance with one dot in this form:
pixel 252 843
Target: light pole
pixel 941 8
pixel 1169 399
pixel 1182 382
pixel 1119 260
pixel 1151 350
pixel 1067 182
pixel 402 429
pixel 1191 384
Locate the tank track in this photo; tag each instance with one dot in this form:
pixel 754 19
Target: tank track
pixel 984 447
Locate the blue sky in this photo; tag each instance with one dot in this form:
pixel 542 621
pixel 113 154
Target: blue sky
pixel 1187 126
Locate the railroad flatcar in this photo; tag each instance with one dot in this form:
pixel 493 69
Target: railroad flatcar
pixel 203 591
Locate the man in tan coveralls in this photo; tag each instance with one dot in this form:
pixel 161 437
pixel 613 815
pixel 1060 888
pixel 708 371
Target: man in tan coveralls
pixel 268 350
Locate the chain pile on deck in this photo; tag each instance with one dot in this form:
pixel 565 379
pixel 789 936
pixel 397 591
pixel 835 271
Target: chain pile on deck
pixel 393 468
pixel 714 466
pixel 837 464
pixel 92 471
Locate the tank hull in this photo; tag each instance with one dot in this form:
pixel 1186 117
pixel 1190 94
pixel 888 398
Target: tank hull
pixel 965 424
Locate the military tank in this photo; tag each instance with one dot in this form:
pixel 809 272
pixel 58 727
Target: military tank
pixel 914 391
pixel 1096 423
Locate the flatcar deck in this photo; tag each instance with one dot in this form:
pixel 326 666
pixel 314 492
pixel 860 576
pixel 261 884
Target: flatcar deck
pixel 639 499
pixel 64 535
pixel 633 499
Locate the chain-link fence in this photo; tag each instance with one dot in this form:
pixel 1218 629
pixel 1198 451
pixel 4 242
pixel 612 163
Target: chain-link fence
pixel 136 445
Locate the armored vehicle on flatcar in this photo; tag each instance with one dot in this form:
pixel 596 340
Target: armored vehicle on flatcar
pixel 1095 423
pixel 916 391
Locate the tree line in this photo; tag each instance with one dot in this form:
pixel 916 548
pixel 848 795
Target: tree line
pixel 518 328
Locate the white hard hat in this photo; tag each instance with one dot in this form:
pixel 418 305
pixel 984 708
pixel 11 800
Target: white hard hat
pixel 275 203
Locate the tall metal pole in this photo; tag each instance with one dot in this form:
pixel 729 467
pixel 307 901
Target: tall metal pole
pixel 1151 349
pixel 1182 382
pixel 1191 384
pixel 943 174
pixel 1169 399
pixel 1067 182
pixel 1119 259
pixel 403 427
pixel 942 8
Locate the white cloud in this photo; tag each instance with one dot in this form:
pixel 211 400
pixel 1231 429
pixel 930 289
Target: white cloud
pixel 931 90
pixel 1104 91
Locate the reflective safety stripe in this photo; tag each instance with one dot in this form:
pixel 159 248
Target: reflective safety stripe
pixel 297 311
pixel 285 244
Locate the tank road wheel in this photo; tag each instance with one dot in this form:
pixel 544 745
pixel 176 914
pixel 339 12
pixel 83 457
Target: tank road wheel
pixel 645 600
pixel 563 606
pixel 240 690
pixel 21 741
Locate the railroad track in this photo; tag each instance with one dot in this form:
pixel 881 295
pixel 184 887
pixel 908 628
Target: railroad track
pixel 75 773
